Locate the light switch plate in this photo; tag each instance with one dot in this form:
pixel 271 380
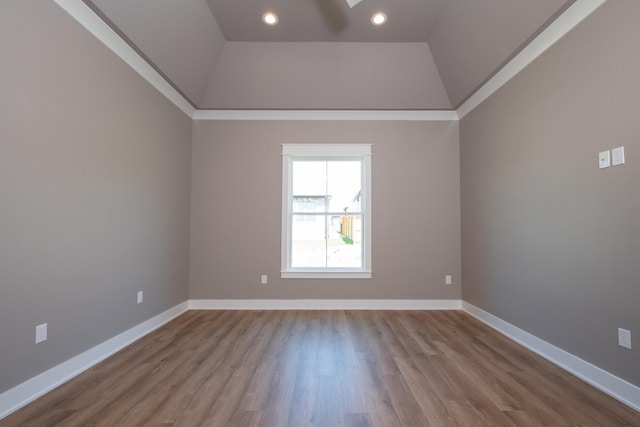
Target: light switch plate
pixel 617 156
pixel 604 159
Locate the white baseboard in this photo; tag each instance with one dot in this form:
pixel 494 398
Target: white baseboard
pixel 323 304
pixel 615 387
pixel 22 394
pixel 19 396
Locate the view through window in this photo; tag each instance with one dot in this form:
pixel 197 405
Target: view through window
pixel 326 214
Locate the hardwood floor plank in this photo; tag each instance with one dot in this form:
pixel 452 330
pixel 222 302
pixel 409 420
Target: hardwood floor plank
pixel 424 394
pixel 245 364
pixel 325 369
pixel 277 403
pixel 218 370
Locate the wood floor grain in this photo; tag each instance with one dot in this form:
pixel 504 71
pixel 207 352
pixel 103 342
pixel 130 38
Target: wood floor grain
pixel 325 368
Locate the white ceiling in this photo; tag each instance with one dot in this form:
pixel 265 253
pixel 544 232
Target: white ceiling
pixel 324 55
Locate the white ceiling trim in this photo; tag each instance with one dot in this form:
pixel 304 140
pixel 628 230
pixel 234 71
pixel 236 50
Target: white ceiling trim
pixel 380 115
pixel 561 26
pixel 571 17
pixel 96 26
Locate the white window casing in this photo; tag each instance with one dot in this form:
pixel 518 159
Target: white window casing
pixel 328 152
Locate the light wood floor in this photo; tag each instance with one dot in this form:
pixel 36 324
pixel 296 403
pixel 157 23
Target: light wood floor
pixel 325 368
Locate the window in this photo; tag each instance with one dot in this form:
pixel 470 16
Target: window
pixel 326 210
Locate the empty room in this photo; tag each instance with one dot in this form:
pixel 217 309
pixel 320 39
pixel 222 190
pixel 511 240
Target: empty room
pixel 319 213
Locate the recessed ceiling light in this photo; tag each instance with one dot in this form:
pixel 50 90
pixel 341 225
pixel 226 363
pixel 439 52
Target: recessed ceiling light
pixel 270 18
pixel 378 18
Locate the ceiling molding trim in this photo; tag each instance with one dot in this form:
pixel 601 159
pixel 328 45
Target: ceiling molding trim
pixel 96 26
pixel 575 14
pixel 364 115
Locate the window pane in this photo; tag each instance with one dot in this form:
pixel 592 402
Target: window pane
pixel 309 204
pixel 344 243
pixel 309 178
pixel 343 185
pixel 320 241
pixel 308 241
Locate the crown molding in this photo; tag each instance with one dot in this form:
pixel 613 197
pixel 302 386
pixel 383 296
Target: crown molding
pixel 575 14
pixel 103 32
pixel 571 17
pixel 379 115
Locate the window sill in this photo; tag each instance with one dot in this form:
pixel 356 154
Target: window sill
pixel 325 275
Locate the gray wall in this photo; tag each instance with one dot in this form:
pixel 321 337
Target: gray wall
pixel 94 190
pixel 236 209
pixel 550 242
pixel 181 37
pixel 471 39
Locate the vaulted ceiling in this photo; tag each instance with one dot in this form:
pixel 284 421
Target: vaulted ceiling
pixel 322 54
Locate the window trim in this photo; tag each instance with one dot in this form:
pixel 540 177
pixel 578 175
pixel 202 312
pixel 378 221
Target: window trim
pixel 291 152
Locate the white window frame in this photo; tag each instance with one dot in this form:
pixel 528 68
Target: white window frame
pixel 291 152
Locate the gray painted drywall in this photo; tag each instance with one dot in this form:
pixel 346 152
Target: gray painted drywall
pixel 236 209
pixel 471 39
pixel 94 191
pixel 181 37
pixel 551 243
pixel 326 76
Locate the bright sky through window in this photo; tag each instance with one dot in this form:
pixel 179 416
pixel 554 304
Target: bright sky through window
pixel 326 215
pixel 338 179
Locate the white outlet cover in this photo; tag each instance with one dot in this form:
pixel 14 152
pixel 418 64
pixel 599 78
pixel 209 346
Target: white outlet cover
pixel 263 279
pixel 140 297
pixel 41 333
pixel 447 279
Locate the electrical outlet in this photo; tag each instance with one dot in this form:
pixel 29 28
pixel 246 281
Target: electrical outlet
pixel 447 279
pixel 624 338
pixel 41 333
pixel 140 297
pixel 263 279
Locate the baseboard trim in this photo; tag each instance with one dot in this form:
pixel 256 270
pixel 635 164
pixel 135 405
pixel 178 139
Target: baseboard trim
pixel 17 397
pixel 615 387
pixel 323 304
pixel 21 395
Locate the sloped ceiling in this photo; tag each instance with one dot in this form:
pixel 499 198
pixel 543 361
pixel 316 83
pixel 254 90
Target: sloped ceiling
pixel 327 20
pixel 431 54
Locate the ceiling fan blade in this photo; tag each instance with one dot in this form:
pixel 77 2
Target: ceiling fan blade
pixel 352 3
